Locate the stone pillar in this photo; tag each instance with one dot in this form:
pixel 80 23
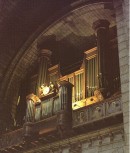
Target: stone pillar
pixel 44 61
pixel 101 27
pixel 123 22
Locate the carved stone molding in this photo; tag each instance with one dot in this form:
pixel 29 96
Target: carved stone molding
pixel 74 144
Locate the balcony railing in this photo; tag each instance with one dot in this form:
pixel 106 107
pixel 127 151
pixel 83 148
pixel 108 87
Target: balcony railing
pixel 83 116
pixel 97 111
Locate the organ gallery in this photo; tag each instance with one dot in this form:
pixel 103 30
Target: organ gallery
pixel 68 99
pixel 92 83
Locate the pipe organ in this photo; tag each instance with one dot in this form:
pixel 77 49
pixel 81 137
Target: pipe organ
pixel 92 83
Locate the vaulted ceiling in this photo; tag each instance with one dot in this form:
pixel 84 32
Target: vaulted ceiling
pixel 24 22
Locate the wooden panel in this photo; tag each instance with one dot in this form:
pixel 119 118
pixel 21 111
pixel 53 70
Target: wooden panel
pixel 97 111
pixel 47 108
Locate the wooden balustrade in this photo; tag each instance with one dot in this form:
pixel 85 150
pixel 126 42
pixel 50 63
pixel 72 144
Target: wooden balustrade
pixel 61 122
pixel 97 111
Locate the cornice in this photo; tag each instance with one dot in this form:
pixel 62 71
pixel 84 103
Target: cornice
pixel 98 135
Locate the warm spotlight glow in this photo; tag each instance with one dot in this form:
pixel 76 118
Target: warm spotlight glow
pixel 78 104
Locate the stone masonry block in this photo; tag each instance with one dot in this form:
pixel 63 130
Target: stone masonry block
pixel 127 134
pixel 126 119
pixel 124 61
pixel 119 18
pixel 124 69
pixel 85 145
pixel 110 151
pixel 125 78
pixel 122 38
pixel 120 31
pixel 120 150
pixel 66 150
pixel 126 149
pixel 125 87
pixel 125 97
pixel 126 112
pixel 123 53
pixel 119 143
pixel 106 140
pixel 92 150
pixel 107 147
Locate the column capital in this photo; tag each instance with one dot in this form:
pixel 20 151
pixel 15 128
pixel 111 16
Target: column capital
pixel 101 23
pixel 45 53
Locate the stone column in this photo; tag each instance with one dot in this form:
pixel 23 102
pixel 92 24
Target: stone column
pixel 44 61
pixel 101 28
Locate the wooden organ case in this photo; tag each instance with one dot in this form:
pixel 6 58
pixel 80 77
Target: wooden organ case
pixel 52 112
pixel 70 104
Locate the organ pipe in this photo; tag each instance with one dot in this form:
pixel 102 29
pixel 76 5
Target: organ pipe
pixel 101 27
pixel 91 76
pixel 44 60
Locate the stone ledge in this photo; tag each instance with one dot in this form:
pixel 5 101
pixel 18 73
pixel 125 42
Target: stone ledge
pixel 89 138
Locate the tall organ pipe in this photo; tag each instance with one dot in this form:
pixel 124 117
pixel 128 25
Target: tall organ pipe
pixel 44 60
pixel 101 27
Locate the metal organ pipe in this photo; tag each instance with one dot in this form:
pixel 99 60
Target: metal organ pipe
pixel 93 76
pixel 90 78
pixel 79 87
pixel 101 27
pixel 88 82
pixel 44 60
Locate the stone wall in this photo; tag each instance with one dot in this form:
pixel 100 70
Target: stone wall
pixel 116 146
pixel 122 19
pixel 108 140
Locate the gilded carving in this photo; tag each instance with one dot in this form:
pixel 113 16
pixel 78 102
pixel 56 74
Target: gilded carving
pixel 34 98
